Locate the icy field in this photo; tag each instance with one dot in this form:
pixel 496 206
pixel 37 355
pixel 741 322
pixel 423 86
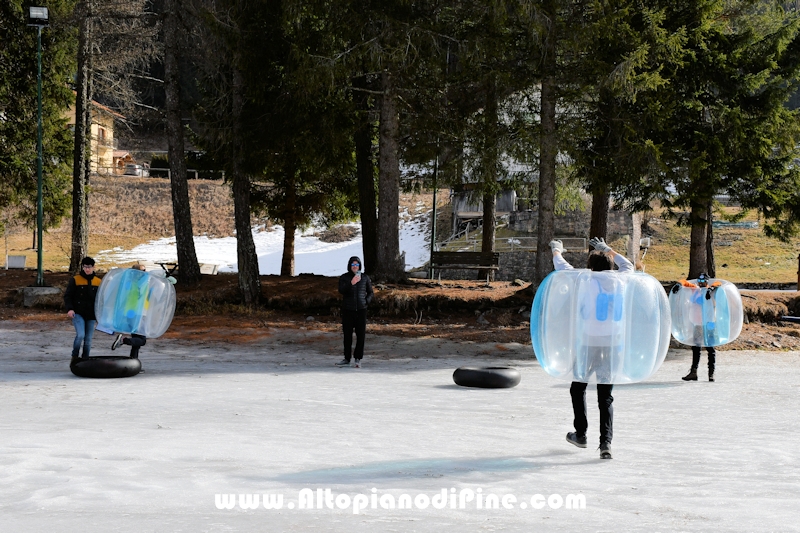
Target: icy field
pixel 211 421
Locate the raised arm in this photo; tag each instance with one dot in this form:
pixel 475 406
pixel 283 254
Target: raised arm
pixel 621 261
pixel 559 263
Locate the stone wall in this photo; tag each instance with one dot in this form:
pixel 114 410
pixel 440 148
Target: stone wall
pixel 514 265
pixel 577 223
pixel 520 265
pixel 574 223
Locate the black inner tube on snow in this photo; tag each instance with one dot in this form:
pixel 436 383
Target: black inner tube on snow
pixel 487 377
pixel 106 366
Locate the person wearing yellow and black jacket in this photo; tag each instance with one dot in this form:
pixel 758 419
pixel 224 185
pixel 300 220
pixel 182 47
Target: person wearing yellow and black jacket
pixel 79 301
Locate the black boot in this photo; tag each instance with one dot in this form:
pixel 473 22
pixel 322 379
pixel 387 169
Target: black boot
pixel 691 376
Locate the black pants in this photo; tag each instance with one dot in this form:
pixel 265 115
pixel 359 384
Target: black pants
pixel 135 342
pixel 712 358
pixel 604 402
pixel 354 320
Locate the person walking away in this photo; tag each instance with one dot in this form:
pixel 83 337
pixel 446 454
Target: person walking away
pixel 79 300
pixel 356 290
pixel 602 258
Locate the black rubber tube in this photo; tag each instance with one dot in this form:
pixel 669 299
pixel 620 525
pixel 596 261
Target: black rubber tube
pixel 487 377
pixel 107 366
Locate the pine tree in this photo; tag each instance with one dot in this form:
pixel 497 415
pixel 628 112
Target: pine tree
pixel 18 113
pixel 720 124
pixel 174 44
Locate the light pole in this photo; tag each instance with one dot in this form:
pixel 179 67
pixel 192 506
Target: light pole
pixel 38 18
pixel 433 221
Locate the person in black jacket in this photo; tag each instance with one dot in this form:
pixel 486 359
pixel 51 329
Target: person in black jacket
pixel 356 289
pixel 79 301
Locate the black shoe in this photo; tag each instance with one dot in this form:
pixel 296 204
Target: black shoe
pixel 691 376
pixel 711 376
pixel 343 362
pixel 574 438
pixel 116 342
pixel 605 451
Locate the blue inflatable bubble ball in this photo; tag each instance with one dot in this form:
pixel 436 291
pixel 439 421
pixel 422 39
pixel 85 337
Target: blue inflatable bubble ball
pixel 706 312
pixel 600 327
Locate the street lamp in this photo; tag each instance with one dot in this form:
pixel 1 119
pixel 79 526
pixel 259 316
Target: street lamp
pixel 38 18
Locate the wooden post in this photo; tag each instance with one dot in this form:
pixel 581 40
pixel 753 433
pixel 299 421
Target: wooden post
pixel 798 272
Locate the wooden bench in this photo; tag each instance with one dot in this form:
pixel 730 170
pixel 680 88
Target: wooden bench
pixel 168 266
pixel 209 268
pixel 466 261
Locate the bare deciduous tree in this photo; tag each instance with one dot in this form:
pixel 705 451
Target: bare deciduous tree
pixel 116 41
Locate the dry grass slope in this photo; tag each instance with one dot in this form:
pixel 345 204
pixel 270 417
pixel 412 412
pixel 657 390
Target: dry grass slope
pixel 143 206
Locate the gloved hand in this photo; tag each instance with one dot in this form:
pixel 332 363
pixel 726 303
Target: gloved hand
pixel 599 244
pixel 557 246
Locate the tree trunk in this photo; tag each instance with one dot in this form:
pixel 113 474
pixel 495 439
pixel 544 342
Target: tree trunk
pixel 365 172
pixel 489 229
pixel 711 265
pixel 249 282
pixel 390 266
pixel 80 165
pixel 548 152
pixel 697 248
pixel 189 271
pixel 289 226
pixel 599 224
pixel 490 163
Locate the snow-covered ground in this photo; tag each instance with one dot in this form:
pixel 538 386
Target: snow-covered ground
pixel 312 256
pixel 209 421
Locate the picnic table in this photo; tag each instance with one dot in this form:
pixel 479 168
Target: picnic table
pixel 168 266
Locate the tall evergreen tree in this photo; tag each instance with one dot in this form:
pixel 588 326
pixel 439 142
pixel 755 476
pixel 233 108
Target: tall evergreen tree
pixel 631 53
pixel 723 126
pixel 174 29
pixel 225 121
pixel 381 42
pixel 18 113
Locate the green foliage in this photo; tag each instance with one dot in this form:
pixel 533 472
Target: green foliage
pixel 658 99
pixel 18 112
pixel 159 161
pixel 295 133
pixel 687 100
pixel 727 127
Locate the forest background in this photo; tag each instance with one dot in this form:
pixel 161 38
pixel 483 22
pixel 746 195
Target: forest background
pixel 312 107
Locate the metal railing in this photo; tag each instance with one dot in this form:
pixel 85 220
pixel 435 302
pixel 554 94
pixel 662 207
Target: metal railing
pixel 512 244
